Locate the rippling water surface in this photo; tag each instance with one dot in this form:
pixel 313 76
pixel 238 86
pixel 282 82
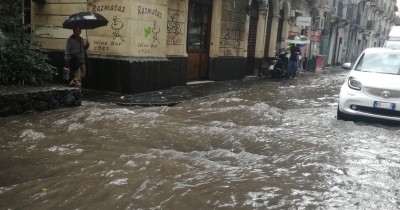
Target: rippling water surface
pixel 269 145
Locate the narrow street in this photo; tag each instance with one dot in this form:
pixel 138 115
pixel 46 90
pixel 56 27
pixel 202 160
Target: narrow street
pixel 254 144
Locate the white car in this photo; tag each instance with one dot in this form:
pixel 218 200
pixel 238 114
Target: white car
pixel 393 40
pixel 372 87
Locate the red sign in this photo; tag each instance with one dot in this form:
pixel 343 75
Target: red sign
pixel 315 38
pixel 292 33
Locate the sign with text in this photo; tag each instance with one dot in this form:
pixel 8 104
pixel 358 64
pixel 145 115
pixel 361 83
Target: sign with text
pixel 303 21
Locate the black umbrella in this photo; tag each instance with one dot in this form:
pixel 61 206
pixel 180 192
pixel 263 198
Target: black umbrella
pixel 85 20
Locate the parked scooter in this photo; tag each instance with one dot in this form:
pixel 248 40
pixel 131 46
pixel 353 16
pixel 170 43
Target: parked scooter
pixel 279 67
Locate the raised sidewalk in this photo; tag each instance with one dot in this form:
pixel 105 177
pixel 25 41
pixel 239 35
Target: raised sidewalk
pixel 16 100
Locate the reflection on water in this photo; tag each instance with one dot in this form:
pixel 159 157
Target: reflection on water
pixel 271 145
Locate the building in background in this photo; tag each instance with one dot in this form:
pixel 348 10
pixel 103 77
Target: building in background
pixel 353 25
pixel 151 45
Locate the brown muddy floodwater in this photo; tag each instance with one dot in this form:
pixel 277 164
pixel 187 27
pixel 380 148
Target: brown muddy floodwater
pixel 267 145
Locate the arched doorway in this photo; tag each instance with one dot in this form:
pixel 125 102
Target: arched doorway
pixel 251 41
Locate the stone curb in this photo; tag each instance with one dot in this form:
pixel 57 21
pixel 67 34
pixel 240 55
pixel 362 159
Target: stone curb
pixel 21 100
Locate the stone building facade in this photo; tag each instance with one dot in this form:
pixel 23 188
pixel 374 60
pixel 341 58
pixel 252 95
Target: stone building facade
pixel 353 25
pixel 151 45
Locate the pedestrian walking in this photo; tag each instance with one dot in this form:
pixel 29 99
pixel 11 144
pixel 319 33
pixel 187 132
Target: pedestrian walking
pixel 75 52
pixel 293 60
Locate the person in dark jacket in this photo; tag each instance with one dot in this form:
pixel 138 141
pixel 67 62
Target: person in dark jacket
pixel 75 57
pixel 293 60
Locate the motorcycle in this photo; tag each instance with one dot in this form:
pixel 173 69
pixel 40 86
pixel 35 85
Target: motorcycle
pixel 279 66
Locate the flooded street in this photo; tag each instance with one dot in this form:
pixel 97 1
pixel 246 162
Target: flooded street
pixel 266 145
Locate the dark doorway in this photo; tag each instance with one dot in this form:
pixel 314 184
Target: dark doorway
pixel 198 39
pixel 251 42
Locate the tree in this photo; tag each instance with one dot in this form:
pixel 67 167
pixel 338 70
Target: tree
pixel 11 14
pixel 22 61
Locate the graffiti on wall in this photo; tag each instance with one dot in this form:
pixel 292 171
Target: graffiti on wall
pixel 144 10
pixel 230 41
pixel 117 12
pixel 174 29
pixel 150 36
pixel 45 30
pixel 228 52
pixel 231 38
pixel 102 45
pixel 116 26
pixel 108 8
pixel 134 28
pixel 155 29
pixel 150 32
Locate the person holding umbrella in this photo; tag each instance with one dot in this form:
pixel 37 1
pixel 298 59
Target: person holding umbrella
pixel 293 60
pixel 294 40
pixel 75 57
pixel 75 50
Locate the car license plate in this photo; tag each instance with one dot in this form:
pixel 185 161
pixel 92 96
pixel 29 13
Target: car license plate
pixel 384 105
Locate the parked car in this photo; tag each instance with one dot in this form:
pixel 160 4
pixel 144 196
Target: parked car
pixel 393 40
pixel 372 86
